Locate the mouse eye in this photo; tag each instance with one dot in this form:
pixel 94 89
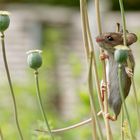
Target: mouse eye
pixel 109 38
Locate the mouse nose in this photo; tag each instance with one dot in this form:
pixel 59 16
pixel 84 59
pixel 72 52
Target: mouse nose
pixel 99 39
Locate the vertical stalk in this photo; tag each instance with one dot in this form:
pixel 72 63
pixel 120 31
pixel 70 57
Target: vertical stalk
pixel 128 61
pixel 41 105
pixel 108 129
pixel 90 85
pixel 84 32
pixel 94 61
pixel 10 85
pixel 92 54
pixel 1 135
pixel 89 55
pixel 122 121
pixel 136 99
pixel 123 21
pixel 122 98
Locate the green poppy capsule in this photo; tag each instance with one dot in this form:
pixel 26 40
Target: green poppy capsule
pixel 4 20
pixel 34 59
pixel 121 55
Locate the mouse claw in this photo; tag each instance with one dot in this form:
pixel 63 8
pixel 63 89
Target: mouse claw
pixel 112 118
pixel 129 72
pixel 103 56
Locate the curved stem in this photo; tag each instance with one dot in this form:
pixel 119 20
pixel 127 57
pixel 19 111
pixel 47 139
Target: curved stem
pixel 122 98
pixel 41 105
pixel 69 127
pixel 10 85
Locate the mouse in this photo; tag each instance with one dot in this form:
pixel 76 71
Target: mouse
pixel 108 41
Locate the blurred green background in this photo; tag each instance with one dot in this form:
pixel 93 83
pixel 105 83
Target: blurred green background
pixel 29 113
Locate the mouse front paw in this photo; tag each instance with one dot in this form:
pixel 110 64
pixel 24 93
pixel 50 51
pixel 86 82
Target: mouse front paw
pixel 103 56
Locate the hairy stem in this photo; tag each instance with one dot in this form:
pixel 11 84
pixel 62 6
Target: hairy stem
pixel 10 85
pixel 40 103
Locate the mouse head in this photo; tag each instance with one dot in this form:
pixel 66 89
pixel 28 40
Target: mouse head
pixel 109 40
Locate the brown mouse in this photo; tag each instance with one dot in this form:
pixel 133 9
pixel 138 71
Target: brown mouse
pixel 108 41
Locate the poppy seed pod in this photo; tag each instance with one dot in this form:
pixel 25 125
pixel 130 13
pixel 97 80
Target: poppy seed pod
pixel 34 59
pixel 4 20
pixel 121 55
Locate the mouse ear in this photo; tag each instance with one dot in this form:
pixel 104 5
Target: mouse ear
pixel 131 38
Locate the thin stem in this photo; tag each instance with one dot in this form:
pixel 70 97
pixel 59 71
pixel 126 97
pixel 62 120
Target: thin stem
pixel 122 98
pixel 10 85
pixel 136 99
pixel 98 17
pixel 86 42
pixel 84 33
pixel 41 105
pixel 124 21
pixel 90 84
pixel 94 62
pixel 128 61
pixel 1 135
pixel 122 121
pixel 108 129
pixel 69 127
pixel 93 65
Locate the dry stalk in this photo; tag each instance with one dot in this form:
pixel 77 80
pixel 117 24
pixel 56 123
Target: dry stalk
pixel 108 129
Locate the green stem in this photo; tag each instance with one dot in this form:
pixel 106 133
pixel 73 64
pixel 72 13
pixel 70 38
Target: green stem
pixel 136 99
pixel 122 121
pixel 1 135
pixel 122 98
pixel 128 61
pixel 41 105
pixel 10 85
pixel 123 20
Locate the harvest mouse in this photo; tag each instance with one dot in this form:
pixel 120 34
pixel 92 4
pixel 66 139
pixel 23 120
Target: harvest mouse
pixel 108 41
